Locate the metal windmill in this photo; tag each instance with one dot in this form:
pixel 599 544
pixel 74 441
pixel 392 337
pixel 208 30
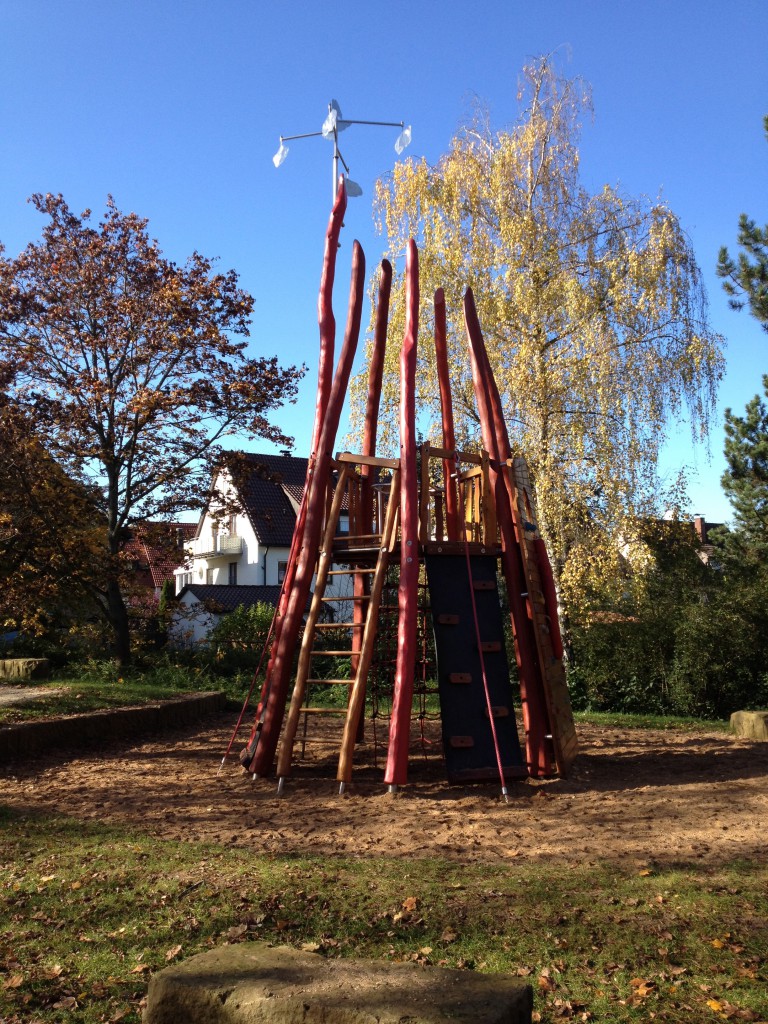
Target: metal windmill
pixel 332 127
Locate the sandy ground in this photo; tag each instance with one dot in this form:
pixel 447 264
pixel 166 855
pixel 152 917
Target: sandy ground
pixel 653 797
pixel 10 694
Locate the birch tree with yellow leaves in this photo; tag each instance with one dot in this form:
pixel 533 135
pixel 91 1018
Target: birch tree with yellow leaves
pixel 592 308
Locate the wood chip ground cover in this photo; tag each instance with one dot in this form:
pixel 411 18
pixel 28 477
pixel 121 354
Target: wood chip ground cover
pixel 633 890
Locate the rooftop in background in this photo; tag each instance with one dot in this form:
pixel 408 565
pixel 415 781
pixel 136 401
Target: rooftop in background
pixel 271 493
pixel 158 549
pixel 225 598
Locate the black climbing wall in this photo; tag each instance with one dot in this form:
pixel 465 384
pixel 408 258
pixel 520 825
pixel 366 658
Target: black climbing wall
pixel 467 735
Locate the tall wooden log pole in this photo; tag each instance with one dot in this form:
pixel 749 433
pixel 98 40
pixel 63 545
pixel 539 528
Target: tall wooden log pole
pixel 361 582
pixel 446 406
pixel 327 326
pixel 375 377
pixel 407 595
pixel 326 321
pixel 316 504
pixel 496 441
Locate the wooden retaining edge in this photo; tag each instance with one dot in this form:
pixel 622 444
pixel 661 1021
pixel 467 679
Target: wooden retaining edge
pixel 96 728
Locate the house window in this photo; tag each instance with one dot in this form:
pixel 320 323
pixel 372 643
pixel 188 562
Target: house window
pixel 209 576
pixel 233 574
pixel 282 568
pixel 343 526
pixel 233 526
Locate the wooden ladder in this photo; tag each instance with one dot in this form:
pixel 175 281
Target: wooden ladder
pixel 367 599
pixel 555 686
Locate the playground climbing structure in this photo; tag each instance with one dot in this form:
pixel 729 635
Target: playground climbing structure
pixel 428 533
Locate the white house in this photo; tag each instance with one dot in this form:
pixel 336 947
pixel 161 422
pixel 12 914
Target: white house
pixel 240 557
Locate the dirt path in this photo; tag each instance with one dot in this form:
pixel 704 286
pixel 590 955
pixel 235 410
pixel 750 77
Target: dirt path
pixel 10 694
pixel 644 795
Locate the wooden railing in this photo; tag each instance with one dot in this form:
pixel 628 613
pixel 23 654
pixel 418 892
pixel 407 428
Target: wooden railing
pixel 468 474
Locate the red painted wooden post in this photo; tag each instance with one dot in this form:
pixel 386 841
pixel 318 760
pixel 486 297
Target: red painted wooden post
pixel 361 583
pixel 407 596
pixel 307 557
pixel 446 405
pixel 496 441
pixel 326 321
pixel 376 371
pixel 327 325
pixel 550 596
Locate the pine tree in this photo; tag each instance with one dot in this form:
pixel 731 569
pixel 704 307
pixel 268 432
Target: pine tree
pixel 746 280
pixel 746 479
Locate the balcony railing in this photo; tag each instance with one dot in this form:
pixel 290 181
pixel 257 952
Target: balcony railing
pixel 212 547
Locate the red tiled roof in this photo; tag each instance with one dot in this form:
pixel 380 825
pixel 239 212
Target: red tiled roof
pixel 159 561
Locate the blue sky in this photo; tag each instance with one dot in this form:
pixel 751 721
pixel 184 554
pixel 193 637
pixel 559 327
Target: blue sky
pixel 175 108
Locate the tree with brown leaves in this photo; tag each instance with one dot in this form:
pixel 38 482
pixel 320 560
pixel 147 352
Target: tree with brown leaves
pixel 132 369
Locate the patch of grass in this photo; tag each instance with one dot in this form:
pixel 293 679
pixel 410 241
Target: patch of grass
pixel 624 720
pixel 76 692
pixel 88 913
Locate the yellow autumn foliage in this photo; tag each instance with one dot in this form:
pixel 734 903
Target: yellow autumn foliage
pixel 592 308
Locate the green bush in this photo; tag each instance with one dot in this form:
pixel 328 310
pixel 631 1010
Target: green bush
pixel 238 638
pixel 688 639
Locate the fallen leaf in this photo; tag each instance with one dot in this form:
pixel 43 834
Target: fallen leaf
pixel 718 943
pixel 76 885
pixel 425 950
pixel 448 936
pixel 311 947
pixel 173 952
pixel 14 981
pixel 67 1003
pixel 715 1004
pixel 410 903
pixel 644 990
pixel 140 968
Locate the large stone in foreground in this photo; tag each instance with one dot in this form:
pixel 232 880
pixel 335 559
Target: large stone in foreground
pixel 253 983
pixel 752 725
